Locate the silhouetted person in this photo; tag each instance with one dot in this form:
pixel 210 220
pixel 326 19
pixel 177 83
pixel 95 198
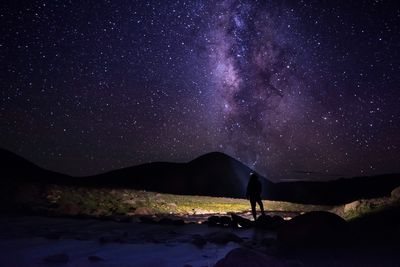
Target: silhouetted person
pixel 253 193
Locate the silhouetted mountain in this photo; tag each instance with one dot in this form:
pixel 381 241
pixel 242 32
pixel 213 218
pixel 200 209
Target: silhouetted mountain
pixel 340 191
pixel 14 167
pixel 17 171
pixel 213 174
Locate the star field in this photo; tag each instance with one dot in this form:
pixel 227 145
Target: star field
pixel 295 90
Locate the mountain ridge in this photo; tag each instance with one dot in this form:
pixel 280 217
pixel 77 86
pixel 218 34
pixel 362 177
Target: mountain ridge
pixel 211 174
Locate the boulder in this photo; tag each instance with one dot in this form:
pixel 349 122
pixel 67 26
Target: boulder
pixel 395 194
pixel 268 222
pixel 278 220
pixel 241 257
pixel 225 221
pixel 243 222
pixel 313 229
pixel 219 221
pixel 213 220
pixel 264 221
pixel 353 206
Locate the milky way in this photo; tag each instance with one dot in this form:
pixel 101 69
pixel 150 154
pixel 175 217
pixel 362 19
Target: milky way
pixel 260 85
pixel 294 89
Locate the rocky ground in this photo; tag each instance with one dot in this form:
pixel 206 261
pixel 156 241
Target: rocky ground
pixel 37 241
pixel 312 239
pixel 78 227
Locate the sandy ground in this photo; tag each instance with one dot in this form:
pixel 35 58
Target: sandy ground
pixel 26 241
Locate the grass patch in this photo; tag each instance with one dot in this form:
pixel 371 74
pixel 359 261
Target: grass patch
pixel 71 200
pixel 363 207
pixel 98 202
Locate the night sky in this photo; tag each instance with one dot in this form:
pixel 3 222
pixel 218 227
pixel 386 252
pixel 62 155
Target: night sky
pixel 294 89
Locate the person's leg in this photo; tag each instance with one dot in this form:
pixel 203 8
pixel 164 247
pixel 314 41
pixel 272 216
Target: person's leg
pixel 253 208
pixel 259 201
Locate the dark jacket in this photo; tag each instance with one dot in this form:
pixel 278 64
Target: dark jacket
pixel 253 188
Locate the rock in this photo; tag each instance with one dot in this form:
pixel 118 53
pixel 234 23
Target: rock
pixel 351 206
pixel 241 257
pixel 57 258
pixel 199 241
pixel 313 229
pixel 223 238
pixel 269 222
pixel 225 220
pixel 395 193
pixel 219 221
pixel 213 220
pixel 95 258
pixel 143 211
pixel 243 222
pixel 264 221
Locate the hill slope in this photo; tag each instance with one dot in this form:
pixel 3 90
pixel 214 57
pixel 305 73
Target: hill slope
pixel 213 174
pixel 334 192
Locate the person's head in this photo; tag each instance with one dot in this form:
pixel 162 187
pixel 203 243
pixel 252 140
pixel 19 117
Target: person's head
pixel 253 176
